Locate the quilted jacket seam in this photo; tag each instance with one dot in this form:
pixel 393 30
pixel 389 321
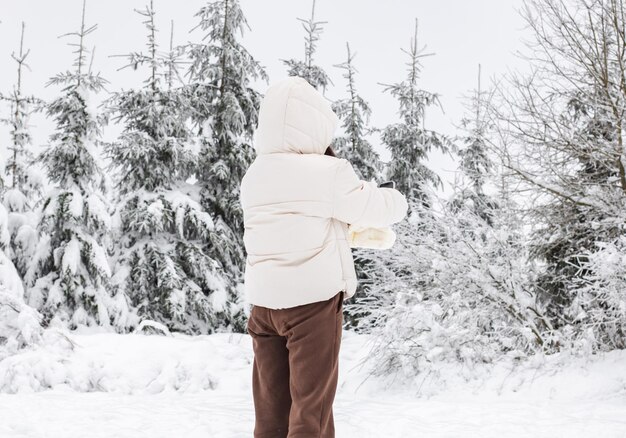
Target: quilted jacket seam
pixel 298 129
pixel 285 114
pixel 309 104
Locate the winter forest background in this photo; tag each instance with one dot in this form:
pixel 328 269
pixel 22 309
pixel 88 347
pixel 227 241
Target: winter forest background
pixel 124 214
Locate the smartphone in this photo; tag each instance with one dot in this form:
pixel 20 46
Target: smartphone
pixel 388 184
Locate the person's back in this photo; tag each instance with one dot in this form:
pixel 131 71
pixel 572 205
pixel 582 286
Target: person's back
pixel 297 203
pixel 293 256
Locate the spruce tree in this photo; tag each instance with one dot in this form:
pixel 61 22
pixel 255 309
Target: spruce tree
pixel 159 259
pixel 355 112
pixel 314 74
pixel 68 279
pixel 225 114
pixel 475 164
pixel 19 323
pixel 408 141
pixel 22 190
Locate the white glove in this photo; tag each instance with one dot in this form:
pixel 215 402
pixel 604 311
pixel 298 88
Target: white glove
pixel 373 238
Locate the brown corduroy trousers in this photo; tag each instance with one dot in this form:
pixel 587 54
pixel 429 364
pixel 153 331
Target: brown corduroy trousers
pixel 295 368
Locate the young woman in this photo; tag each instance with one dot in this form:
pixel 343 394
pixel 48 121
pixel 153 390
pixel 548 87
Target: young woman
pixel 298 199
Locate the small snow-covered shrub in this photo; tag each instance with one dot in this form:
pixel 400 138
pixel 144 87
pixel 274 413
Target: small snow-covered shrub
pixel 19 323
pixel 152 327
pixel 599 306
pixel 29 355
pixel 25 347
pixel 464 300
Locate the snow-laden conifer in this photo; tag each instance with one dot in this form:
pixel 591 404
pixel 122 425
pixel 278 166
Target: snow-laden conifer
pixel 352 144
pixel 19 323
pixel 475 164
pixel 23 186
pixel 161 227
pixel 69 273
pixel 225 113
pixel 307 69
pixel 354 112
pixel 394 272
pixel 408 140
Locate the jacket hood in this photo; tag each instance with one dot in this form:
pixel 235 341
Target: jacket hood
pixel 294 117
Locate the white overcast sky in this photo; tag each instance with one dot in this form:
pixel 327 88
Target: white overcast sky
pixel 460 33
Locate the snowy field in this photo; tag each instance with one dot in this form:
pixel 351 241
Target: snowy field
pixel 152 386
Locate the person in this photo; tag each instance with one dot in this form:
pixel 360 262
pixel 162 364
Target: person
pixel 298 200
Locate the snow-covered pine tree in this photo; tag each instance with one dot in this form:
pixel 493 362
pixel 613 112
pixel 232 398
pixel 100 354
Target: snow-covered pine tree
pixel 315 75
pixel 225 111
pixel 21 330
pixel 159 261
pixel 19 323
pixel 68 277
pixel 502 310
pixel 11 288
pixel 354 112
pixel 408 141
pixel 568 154
pixel 475 164
pixel 23 187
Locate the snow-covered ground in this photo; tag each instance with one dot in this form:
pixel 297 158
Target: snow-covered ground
pixel 155 386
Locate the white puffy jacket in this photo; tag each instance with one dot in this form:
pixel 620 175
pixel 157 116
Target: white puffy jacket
pixel 297 203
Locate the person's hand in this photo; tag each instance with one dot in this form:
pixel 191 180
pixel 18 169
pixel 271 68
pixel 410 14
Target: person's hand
pixel 369 237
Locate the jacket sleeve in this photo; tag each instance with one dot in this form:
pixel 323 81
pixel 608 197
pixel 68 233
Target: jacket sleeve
pixel 359 202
